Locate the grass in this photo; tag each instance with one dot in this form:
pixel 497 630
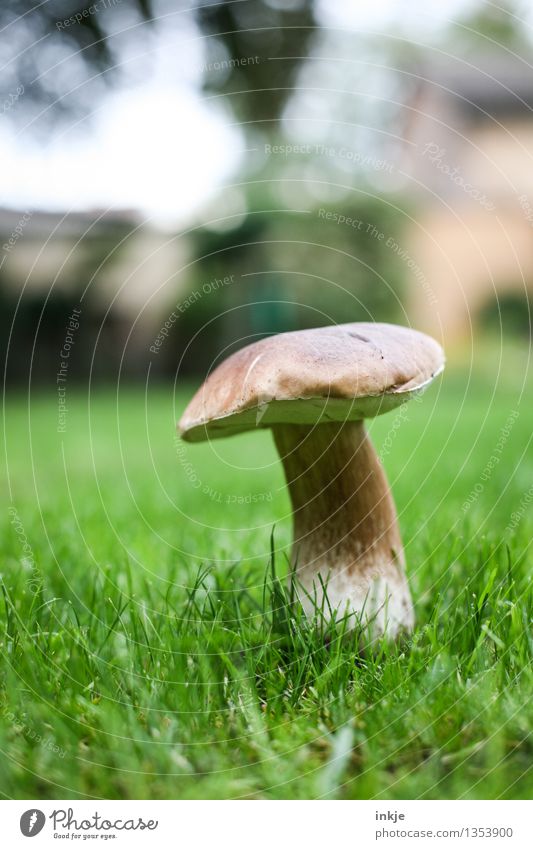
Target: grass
pixel 148 651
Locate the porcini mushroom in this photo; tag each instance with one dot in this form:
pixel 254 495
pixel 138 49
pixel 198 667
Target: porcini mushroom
pixel 314 388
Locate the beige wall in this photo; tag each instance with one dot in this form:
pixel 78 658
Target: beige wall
pixel 143 279
pixel 468 256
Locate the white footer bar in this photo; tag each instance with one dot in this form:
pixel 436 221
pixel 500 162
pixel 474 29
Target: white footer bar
pixel 268 824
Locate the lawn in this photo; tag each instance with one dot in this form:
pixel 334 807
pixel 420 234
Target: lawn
pixel 147 650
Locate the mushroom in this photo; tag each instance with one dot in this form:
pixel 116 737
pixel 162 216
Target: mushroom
pixel 314 388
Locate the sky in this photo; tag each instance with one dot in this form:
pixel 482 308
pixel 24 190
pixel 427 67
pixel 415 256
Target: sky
pixel 157 146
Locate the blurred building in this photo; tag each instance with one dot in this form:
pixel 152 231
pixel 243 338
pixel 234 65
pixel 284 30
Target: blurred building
pixel 121 273
pixel 469 155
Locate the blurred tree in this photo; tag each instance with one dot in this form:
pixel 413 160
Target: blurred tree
pixel 53 47
pixel 293 269
pixel 509 314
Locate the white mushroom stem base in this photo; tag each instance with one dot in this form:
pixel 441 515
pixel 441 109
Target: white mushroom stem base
pixel 345 526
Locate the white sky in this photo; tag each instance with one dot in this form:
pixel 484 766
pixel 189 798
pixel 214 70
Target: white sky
pixel 159 147
pixel 160 151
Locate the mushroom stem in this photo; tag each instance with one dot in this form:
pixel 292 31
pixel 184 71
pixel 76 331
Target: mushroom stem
pixel 345 525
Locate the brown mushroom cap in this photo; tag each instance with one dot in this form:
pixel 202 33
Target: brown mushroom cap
pixel 340 373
